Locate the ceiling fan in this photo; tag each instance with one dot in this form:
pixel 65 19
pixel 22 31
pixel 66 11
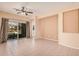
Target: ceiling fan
pixel 23 10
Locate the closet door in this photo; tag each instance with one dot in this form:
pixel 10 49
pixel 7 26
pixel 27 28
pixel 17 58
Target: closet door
pixel 71 21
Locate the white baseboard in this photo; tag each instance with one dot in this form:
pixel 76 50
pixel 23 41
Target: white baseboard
pixel 48 39
pixel 68 46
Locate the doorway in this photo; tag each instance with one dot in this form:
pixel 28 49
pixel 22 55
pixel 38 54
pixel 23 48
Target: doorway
pixel 18 29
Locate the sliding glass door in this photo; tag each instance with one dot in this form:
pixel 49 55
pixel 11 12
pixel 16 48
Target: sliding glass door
pixel 22 30
pixel 18 29
pixel 12 30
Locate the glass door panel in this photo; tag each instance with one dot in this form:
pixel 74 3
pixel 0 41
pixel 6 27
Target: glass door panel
pixel 12 30
pixel 22 30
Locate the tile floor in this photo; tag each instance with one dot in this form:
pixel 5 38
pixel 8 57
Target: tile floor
pixel 39 47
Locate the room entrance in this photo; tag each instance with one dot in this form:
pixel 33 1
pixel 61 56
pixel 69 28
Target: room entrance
pixel 18 29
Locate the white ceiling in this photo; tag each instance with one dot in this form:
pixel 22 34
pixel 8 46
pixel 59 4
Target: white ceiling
pixel 40 8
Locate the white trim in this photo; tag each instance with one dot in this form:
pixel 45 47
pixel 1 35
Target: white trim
pixel 68 46
pixel 48 39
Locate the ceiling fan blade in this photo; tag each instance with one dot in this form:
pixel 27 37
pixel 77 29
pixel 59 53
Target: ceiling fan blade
pixel 17 9
pixel 26 13
pixel 18 12
pixel 30 12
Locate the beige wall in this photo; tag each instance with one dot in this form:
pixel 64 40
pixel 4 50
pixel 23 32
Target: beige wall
pixel 48 27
